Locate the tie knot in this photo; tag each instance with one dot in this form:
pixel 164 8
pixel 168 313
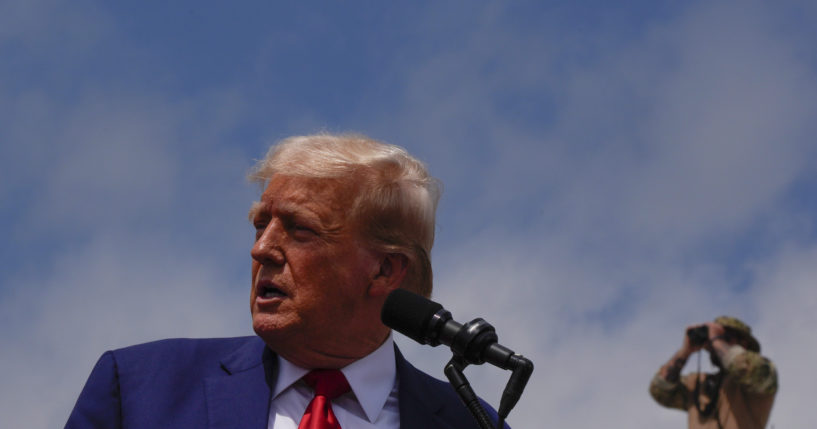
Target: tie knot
pixel 327 382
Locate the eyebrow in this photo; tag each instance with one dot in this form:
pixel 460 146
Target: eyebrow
pixel 291 210
pixel 298 211
pixel 254 209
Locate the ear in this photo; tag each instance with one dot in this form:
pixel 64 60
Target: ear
pixel 390 274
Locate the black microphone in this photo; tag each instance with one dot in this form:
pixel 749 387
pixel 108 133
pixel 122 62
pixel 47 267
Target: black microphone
pixel 427 322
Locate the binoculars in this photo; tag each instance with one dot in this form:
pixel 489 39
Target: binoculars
pixel 698 336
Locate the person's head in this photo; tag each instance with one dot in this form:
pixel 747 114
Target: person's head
pixel 343 220
pixel 735 333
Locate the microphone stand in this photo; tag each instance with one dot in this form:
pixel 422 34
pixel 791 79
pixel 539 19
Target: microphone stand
pixel 453 370
pixel 476 342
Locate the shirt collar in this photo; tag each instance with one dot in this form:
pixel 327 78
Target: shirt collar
pixel 371 377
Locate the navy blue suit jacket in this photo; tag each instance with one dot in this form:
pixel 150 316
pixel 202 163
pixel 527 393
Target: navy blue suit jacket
pixel 224 383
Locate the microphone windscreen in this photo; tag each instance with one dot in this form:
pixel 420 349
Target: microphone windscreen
pixel 409 314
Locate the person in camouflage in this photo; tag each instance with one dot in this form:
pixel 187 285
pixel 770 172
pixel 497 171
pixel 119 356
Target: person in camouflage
pixel 739 396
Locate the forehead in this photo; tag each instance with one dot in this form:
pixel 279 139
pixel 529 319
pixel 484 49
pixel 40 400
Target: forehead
pixel 330 199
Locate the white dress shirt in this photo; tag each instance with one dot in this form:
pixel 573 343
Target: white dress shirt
pixel 372 403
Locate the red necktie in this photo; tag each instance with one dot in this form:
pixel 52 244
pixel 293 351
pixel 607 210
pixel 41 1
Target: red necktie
pixel 328 385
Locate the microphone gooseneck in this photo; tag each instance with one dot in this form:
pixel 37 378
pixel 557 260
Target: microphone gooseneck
pixel 475 342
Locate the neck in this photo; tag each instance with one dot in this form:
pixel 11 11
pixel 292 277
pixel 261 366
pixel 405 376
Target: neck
pixel 331 356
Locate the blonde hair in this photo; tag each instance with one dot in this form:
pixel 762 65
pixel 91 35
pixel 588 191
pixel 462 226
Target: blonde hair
pixel 396 199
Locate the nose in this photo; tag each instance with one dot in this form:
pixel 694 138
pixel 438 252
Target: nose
pixel 267 248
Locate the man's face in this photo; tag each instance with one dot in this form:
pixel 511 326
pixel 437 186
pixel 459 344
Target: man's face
pixel 310 270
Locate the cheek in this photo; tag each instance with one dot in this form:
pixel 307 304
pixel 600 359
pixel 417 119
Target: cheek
pixel 339 274
pixel 325 280
pixel 254 270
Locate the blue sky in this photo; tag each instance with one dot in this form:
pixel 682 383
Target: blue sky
pixel 613 173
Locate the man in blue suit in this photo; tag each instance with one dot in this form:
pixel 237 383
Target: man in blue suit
pixel 343 221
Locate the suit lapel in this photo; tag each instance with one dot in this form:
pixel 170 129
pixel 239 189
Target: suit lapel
pixel 419 403
pixel 240 398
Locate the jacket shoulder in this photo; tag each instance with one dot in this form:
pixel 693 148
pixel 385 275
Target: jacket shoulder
pixel 181 356
pixel 184 345
pixel 157 381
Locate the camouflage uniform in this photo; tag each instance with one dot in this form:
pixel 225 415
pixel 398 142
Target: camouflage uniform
pixel 746 393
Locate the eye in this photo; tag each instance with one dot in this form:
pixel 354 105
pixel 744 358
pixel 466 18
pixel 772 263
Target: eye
pixel 260 226
pixel 299 228
pixel 301 231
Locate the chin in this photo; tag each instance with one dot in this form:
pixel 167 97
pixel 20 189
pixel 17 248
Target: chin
pixel 264 324
pixel 271 328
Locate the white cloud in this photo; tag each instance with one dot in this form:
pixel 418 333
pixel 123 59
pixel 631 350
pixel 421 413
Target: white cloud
pixel 126 203
pixel 657 148
pixel 786 300
pixel 708 125
pixel 115 291
pixel 112 163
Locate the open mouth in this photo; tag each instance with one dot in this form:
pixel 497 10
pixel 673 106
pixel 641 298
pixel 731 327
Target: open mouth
pixel 269 292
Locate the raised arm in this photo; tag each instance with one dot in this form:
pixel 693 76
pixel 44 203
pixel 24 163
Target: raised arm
pixel 666 387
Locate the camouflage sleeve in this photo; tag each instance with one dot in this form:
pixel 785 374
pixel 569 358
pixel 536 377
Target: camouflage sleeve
pixel 755 373
pixel 668 393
